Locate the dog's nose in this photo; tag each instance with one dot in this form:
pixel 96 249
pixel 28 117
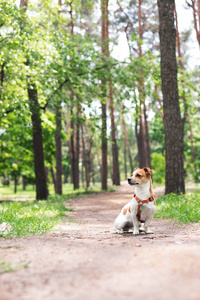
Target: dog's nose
pixel 129 180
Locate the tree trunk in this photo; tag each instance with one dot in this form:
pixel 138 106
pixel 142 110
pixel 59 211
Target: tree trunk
pixel 115 160
pixel 141 144
pixel 173 124
pixel 58 143
pixel 84 158
pixel 24 4
pixel 24 183
pixel 196 17
pixel 53 178
pixel 144 155
pixel 104 146
pixel 40 176
pixel 91 167
pixel 127 145
pixel 98 156
pixel 124 147
pixel 105 52
pixel 15 183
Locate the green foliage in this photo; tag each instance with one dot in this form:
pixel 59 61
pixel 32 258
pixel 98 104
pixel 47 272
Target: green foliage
pixel 183 208
pixel 158 166
pixel 38 47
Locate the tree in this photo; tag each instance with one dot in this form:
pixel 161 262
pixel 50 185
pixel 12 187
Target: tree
pixel 173 124
pixel 195 5
pixel 105 52
pixel 138 20
pixel 40 175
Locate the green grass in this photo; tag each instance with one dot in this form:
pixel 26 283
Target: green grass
pixel 36 217
pixel 7 192
pixel 183 208
pixel 32 217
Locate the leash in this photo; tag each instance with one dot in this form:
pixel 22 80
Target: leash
pixel 140 203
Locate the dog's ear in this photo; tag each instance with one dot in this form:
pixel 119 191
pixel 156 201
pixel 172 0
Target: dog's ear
pixel 148 171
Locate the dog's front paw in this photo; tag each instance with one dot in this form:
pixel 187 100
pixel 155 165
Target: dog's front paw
pixel 120 231
pixel 135 231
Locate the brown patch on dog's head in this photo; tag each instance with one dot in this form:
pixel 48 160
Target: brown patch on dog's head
pixel 140 176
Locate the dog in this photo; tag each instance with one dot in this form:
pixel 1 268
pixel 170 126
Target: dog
pixel 141 208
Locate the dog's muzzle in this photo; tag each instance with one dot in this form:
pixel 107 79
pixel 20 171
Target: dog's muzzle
pixel 131 182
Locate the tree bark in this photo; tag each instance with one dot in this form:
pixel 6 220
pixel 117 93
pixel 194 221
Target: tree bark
pixel 91 166
pixel 53 178
pixel 84 158
pixel 40 176
pixel 173 124
pixel 115 160
pixel 144 155
pixel 126 145
pixel 105 52
pixel 24 4
pixel 196 17
pixel 58 143
pixel 74 145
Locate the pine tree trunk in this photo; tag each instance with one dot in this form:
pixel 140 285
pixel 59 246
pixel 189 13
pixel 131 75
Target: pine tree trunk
pixel 24 183
pixel 84 158
pixel 141 145
pixel 173 124
pixel 91 167
pixel 104 146
pixel 40 176
pixel 144 155
pixel 105 52
pixel 124 148
pixel 129 151
pixel 77 146
pixel 115 161
pixel 127 145
pixel 53 178
pixel 58 143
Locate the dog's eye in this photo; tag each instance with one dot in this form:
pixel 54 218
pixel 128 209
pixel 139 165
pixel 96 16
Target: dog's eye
pixel 138 175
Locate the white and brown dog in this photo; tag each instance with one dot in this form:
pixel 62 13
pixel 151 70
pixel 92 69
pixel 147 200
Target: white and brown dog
pixel 142 206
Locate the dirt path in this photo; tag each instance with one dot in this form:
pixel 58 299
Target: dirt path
pixel 85 259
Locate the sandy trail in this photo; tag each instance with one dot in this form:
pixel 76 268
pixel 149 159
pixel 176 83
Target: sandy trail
pixel 85 259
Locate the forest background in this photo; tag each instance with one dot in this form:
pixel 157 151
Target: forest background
pixel 71 111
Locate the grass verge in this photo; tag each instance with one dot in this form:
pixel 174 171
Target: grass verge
pixel 32 217
pixel 37 217
pixel 183 208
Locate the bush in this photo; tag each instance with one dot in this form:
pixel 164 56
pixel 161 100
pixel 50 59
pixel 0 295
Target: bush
pixel 158 166
pixel 184 208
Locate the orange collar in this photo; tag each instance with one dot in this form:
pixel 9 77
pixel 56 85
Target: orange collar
pixel 152 198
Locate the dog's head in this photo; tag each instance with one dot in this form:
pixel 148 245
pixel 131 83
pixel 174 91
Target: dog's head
pixel 140 176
